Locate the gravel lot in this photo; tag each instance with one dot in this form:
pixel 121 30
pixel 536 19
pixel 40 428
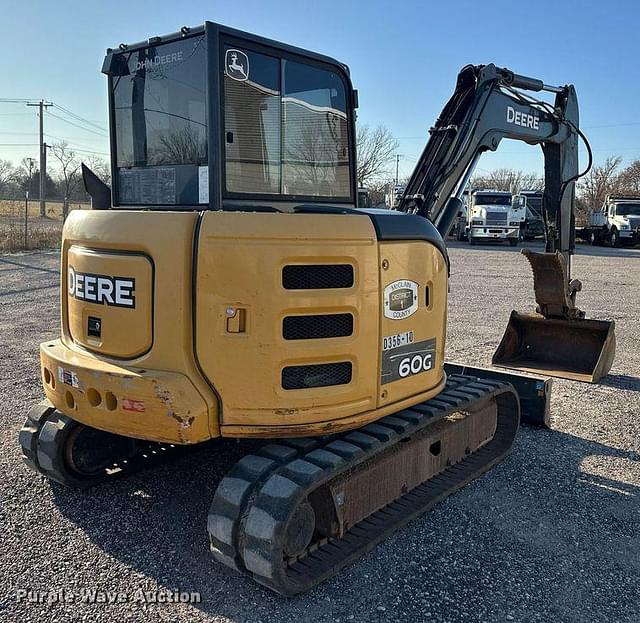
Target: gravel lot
pixel 551 534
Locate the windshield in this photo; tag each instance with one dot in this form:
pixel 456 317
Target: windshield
pixel 160 111
pixel 628 209
pixel 492 200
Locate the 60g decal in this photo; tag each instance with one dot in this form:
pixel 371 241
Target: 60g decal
pixel 407 359
pixel 416 364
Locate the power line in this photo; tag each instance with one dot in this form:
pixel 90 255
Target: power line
pixel 6 100
pixel 79 118
pixel 89 151
pixel 62 109
pixel 69 141
pixel 611 125
pixel 103 135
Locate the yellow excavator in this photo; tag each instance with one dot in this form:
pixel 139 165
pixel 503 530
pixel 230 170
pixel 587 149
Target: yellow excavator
pixel 227 285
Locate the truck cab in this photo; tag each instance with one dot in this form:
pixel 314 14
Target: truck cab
pixel 618 222
pixel 396 195
pixel 491 217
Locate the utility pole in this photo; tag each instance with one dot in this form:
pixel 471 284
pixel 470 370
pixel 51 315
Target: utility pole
pixel 31 162
pixel 398 156
pixel 43 155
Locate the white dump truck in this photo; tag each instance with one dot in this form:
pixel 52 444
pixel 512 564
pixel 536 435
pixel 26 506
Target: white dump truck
pixel 491 217
pixel 617 223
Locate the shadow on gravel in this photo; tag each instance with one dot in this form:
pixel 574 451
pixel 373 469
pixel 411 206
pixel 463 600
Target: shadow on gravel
pixel 622 381
pixel 26 290
pixel 155 522
pixel 4 260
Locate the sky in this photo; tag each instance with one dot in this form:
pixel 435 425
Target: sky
pixel 403 55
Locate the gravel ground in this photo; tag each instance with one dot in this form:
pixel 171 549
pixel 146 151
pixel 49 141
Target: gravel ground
pixel 551 534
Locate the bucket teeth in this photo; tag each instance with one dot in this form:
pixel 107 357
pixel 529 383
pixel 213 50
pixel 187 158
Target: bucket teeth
pixel 555 294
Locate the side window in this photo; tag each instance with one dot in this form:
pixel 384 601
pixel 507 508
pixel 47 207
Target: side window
pixel 252 122
pixel 286 127
pixel 316 142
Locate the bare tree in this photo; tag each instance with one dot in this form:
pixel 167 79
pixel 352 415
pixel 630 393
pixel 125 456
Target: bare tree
pixel 69 172
pixel 510 180
pixel 7 174
pixel 379 189
pixel 599 182
pixel 100 167
pixel 184 146
pixel 376 150
pixel 629 179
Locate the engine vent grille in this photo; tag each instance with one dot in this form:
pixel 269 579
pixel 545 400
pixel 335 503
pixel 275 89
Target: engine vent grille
pixel 317 326
pixel 320 375
pixel 317 276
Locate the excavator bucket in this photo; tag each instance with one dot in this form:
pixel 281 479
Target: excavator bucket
pixel 558 340
pixel 581 350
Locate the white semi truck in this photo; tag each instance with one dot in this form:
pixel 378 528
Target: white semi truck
pixel 617 223
pixel 491 217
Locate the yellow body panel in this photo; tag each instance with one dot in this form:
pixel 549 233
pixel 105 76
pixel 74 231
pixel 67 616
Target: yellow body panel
pixel 334 425
pixel 241 257
pixel 152 374
pixel 240 262
pixel 421 263
pixel 166 238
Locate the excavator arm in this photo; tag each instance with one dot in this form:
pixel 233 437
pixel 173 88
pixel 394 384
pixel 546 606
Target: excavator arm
pixel 488 105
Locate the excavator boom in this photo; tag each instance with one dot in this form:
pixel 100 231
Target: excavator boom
pixel 488 105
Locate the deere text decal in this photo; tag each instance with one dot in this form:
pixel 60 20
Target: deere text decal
pixel 102 289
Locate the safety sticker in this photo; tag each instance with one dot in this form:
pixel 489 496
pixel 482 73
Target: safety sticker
pixel 68 377
pixel 133 405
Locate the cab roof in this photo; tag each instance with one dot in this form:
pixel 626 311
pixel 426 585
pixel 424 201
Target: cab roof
pixel 207 27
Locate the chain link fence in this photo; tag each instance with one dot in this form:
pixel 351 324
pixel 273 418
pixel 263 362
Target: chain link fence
pixel 22 228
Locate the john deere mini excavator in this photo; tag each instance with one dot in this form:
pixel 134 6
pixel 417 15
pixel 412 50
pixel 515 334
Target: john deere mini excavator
pixel 227 286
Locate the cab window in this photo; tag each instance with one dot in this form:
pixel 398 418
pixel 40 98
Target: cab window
pixel 285 127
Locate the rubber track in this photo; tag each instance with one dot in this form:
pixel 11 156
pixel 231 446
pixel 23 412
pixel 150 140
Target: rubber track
pixel 253 503
pixel 46 430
